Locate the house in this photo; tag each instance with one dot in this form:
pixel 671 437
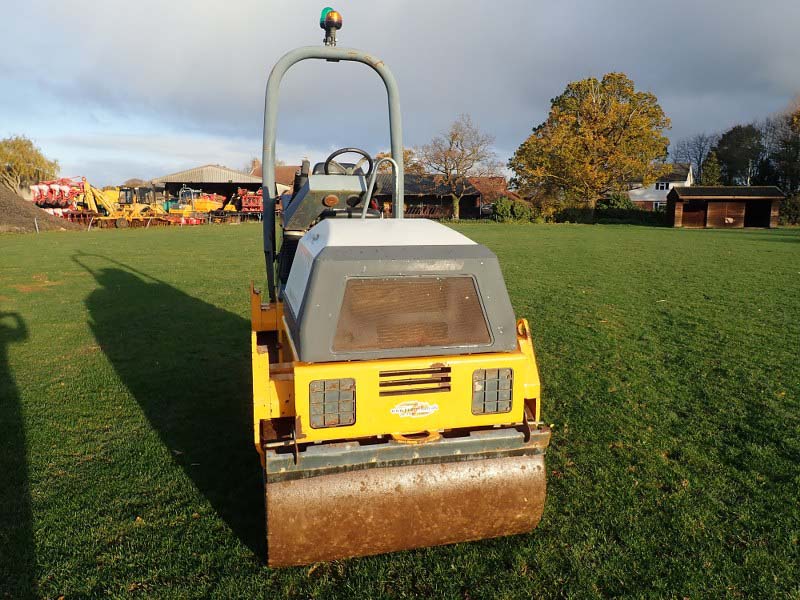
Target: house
pixel 725 207
pixel 426 196
pixel 284 174
pixel 654 196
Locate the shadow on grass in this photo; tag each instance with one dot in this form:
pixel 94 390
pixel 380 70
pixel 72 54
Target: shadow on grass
pixel 187 364
pixel 17 550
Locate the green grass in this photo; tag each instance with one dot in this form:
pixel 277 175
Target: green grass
pixel 669 362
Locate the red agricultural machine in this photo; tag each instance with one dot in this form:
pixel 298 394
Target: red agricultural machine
pixel 59 193
pixel 251 202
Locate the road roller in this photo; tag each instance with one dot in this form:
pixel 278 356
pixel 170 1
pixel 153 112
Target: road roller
pixel 396 397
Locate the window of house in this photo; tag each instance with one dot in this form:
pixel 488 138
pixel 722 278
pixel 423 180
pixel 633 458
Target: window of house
pixel 659 205
pixel 662 185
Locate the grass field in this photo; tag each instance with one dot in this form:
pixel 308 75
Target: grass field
pixel 669 362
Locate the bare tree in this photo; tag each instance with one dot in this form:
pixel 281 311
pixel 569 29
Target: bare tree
pixel 694 150
pixel 458 154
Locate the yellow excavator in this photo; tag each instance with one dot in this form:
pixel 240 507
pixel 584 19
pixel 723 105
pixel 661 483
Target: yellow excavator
pixel 396 397
pixel 114 209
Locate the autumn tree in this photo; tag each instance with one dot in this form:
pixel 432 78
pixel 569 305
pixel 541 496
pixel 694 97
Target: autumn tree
pixel 411 164
pixel 22 163
pixel 694 150
pixel 458 154
pixel 711 173
pixel 598 137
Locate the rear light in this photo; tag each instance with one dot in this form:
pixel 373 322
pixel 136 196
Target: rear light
pixel 492 391
pixel 332 402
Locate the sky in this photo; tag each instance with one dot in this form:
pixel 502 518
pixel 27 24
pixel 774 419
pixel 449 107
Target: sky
pixel 116 90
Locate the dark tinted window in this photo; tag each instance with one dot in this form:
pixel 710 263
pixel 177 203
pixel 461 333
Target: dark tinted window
pixel 410 312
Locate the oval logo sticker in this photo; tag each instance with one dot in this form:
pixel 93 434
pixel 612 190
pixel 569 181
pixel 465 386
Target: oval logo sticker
pixel 414 409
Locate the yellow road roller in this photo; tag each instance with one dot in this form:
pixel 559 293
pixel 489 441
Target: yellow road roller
pixel 396 398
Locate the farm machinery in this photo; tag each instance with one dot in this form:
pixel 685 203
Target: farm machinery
pixel 76 200
pixel 249 204
pixel 396 397
pixel 245 205
pixel 194 207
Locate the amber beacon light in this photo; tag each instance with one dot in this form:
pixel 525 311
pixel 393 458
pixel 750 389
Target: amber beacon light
pixel 330 20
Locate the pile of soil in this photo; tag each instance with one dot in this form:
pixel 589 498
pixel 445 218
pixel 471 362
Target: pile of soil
pixel 19 215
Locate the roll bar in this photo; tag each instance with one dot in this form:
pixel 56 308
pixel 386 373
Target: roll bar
pixel 331 54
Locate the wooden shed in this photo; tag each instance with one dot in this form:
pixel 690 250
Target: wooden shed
pixel 724 207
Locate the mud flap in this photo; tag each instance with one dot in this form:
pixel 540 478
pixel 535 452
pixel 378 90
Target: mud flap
pixel 383 509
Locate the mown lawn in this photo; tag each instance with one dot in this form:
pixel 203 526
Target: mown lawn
pixel 669 361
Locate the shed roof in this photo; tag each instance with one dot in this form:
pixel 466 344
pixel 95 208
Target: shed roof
pixel 208 174
pixel 726 192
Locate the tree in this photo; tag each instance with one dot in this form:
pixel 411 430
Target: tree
pixel 739 151
pixel 790 211
pixel 711 173
pixel 598 137
pixel 411 164
pixel 22 163
pixel 458 154
pixel 781 166
pixel 509 210
pixel 617 200
pixel 787 160
pixel 694 151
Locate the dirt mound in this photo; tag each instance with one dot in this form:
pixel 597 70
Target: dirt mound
pixel 19 216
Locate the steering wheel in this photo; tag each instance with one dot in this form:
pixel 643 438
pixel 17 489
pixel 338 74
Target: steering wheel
pixel 334 168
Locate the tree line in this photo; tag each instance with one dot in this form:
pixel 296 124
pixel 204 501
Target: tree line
pixel 599 138
pixel 765 152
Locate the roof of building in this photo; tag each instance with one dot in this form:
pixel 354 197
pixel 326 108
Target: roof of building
pixel 419 185
pixel 284 174
pixel 680 172
pixel 494 187
pixel 729 192
pixel 208 174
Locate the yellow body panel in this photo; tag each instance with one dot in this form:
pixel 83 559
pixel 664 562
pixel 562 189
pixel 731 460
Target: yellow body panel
pixel 376 414
pixel 281 387
pixel 186 211
pixel 112 195
pixel 207 205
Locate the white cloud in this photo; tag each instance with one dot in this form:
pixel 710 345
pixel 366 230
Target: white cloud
pixel 192 72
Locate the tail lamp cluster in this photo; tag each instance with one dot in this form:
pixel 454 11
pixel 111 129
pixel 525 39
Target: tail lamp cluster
pixel 491 391
pixel 332 402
